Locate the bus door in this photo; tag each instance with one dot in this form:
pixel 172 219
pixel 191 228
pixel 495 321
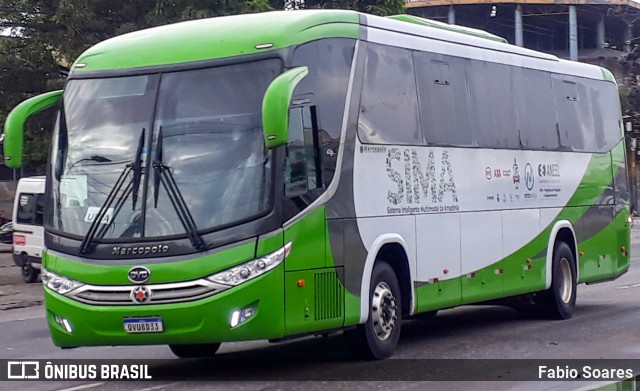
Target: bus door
pixel 314 296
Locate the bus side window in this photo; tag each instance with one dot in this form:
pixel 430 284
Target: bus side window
pixel 302 173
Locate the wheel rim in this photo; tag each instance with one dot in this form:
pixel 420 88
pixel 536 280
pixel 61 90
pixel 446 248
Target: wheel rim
pixel 383 311
pixel 566 283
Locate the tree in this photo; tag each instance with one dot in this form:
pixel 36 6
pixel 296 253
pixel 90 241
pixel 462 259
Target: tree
pixel 375 7
pixel 28 68
pixel 630 88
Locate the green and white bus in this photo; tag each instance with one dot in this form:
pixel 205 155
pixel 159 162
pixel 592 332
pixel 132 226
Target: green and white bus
pixel 294 173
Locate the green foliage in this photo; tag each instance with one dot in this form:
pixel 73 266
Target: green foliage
pixel 375 7
pixel 27 68
pixel 630 88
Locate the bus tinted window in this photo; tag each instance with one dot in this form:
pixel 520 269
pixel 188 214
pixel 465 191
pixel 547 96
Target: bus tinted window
pixel 389 106
pixel 329 62
pixel 536 109
pixel 442 93
pixel 575 117
pixel 606 114
pixel 490 98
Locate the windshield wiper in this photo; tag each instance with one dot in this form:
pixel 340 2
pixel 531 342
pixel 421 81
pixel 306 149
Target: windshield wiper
pixel 156 170
pixel 162 173
pixel 95 230
pixel 137 171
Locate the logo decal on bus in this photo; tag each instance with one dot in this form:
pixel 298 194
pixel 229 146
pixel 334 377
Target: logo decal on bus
pixel 516 173
pixel 413 182
pixel 140 295
pixel 528 176
pixel 139 274
pixel 488 173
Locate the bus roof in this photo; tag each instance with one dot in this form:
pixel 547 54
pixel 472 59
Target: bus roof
pixel 220 37
pixel 448 27
pixel 228 36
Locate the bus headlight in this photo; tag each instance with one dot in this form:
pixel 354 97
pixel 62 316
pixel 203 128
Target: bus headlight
pixel 59 284
pixel 252 269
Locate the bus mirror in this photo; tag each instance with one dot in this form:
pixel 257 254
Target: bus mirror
pixel 14 125
pixel 275 106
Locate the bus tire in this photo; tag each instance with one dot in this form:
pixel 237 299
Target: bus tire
pixel 378 338
pixel 195 351
pixel 559 301
pixel 29 274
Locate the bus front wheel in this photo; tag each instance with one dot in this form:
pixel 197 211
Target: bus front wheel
pixel 195 351
pixel 559 301
pixel 378 337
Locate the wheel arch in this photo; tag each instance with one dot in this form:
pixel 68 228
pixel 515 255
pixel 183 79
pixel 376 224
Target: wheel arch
pixel 393 249
pixel 562 231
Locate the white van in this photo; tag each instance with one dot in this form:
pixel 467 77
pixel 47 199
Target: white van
pixel 28 233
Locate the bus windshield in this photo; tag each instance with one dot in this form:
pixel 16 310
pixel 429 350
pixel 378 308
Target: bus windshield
pixel 203 126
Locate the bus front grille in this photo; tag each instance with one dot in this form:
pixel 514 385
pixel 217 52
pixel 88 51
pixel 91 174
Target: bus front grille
pixel 158 293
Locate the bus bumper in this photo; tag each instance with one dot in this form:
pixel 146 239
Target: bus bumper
pixel 202 321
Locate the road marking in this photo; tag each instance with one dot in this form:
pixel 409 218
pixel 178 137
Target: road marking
pixel 596 385
pixel 82 387
pixel 158 387
pixel 628 286
pixel 18 314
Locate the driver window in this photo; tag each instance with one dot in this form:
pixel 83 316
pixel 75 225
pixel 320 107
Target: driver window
pixel 302 172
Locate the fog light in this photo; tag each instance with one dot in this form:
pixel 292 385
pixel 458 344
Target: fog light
pixel 240 316
pixel 64 323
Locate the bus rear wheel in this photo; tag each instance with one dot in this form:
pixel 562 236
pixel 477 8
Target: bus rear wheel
pixel 378 338
pixel 559 301
pixel 195 351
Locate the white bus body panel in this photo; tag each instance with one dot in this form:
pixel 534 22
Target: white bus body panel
pixel 471 204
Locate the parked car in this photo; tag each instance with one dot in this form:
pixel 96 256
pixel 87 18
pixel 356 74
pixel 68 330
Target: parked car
pixel 6 233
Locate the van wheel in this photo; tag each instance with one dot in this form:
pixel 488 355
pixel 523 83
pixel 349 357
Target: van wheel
pixel 29 274
pixel 195 351
pixel 378 338
pixel 559 301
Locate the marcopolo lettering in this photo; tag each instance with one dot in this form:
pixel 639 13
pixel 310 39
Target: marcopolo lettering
pixel 141 250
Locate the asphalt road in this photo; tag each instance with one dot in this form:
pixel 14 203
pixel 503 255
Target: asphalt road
pixel 605 325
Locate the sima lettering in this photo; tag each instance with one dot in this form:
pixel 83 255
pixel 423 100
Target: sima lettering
pixel 413 182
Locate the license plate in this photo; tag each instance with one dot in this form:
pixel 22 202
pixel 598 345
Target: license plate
pixel 143 325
